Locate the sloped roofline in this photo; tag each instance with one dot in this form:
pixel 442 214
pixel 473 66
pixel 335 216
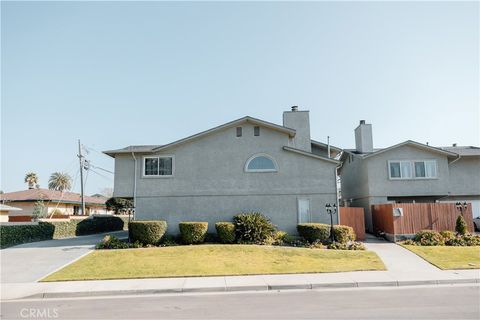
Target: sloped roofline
pixel 408 142
pixel 325 145
pixel 312 155
pixel 273 126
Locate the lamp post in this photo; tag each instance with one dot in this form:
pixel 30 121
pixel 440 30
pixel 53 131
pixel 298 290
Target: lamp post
pixel 462 207
pixel 331 210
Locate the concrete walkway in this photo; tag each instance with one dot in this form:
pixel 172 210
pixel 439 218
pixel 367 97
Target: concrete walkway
pixel 404 268
pixel 27 263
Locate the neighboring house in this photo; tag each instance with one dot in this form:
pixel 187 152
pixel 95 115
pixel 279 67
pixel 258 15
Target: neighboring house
pixel 5 211
pixel 241 166
pixel 66 203
pixel 407 172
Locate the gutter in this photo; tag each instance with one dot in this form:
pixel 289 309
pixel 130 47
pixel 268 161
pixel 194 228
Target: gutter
pixel 458 158
pixel 134 184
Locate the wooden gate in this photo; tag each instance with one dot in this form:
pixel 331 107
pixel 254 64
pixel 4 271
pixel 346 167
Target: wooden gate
pixel 353 217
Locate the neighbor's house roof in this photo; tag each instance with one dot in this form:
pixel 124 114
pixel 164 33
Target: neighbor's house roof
pixel 464 151
pixel 49 195
pixel 405 143
pixel 4 207
pixel 248 119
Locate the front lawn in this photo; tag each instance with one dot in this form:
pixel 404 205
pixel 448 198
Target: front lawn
pixel 213 260
pixel 449 257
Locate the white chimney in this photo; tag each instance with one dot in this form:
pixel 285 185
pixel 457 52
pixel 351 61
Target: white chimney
pixel 300 121
pixel 363 137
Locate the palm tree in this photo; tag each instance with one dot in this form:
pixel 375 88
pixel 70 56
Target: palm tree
pixel 60 181
pixel 32 179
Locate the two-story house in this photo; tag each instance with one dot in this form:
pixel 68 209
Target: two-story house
pixel 244 165
pixel 407 172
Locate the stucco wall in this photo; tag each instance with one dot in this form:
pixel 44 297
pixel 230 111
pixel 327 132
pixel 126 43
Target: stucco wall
pixel 210 183
pixel 380 184
pixel 465 176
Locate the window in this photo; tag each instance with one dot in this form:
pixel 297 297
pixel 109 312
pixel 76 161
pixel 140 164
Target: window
pixel 407 169
pixel 256 131
pixel 261 163
pixel 158 166
pixel 239 131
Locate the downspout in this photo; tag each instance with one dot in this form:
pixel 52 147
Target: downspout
pixel 134 185
pixel 336 193
pixel 458 158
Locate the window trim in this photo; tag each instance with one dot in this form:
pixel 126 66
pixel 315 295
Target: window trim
pixel 412 168
pixel 260 170
pixel 158 157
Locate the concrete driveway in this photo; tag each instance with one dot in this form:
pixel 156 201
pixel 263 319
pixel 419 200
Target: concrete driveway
pixel 32 261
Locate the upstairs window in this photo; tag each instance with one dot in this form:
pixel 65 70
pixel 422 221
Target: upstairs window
pixel 410 169
pixel 256 131
pixel 261 163
pixel 158 166
pixel 239 131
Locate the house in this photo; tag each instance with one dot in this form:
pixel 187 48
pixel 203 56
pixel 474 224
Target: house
pixel 66 203
pixel 407 172
pixel 5 211
pixel 240 166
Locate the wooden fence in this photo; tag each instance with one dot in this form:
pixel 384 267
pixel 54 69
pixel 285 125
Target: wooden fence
pixel 353 217
pixel 23 218
pixel 418 216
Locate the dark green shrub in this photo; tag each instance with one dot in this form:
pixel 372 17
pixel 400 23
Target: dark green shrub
pixel 99 224
pixel 447 235
pixel 343 234
pixel 429 238
pixel 11 235
pixel 193 232
pixel 253 228
pixel 168 241
pixel 456 241
pixel 147 232
pixel 111 242
pixel 471 240
pixel 313 232
pixel 461 225
pixel 225 232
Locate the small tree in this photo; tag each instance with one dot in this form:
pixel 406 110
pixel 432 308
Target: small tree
pixel 38 210
pixel 31 179
pixel 119 205
pixel 461 225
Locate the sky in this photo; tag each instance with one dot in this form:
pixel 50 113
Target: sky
pixel 121 73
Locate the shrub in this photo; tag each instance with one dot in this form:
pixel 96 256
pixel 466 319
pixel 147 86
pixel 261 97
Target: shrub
pixel 225 232
pixel 111 242
pixel 168 241
pixel 147 232
pixel 253 228
pixel 447 235
pixel 409 242
pixel 356 246
pixel 456 241
pixel 429 238
pixel 337 246
pixel 193 232
pixel 461 225
pixel 471 240
pixel 99 224
pixel 313 232
pixel 344 234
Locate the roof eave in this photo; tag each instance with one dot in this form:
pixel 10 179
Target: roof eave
pixel 308 154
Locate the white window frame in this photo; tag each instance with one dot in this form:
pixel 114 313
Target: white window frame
pixel 163 156
pixel 412 169
pixel 260 170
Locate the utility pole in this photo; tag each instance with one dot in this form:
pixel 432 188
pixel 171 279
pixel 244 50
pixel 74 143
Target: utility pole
pixel 80 157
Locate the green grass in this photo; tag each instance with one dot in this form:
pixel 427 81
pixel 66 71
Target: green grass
pixel 447 257
pixel 213 260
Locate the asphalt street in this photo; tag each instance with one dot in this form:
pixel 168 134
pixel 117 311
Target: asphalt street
pixel 433 302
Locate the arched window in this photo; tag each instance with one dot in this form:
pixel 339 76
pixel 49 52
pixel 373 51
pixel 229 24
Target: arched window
pixel 261 163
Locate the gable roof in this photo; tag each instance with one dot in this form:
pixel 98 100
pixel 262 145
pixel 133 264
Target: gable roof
pixel 49 195
pixel 248 119
pixel 4 207
pixel 405 143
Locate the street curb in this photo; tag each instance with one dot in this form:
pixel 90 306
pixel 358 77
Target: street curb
pixel 258 288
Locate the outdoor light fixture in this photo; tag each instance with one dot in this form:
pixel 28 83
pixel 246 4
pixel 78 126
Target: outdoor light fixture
pixel 462 207
pixel 331 210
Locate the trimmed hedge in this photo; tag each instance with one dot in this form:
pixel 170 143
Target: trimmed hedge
pixel 254 228
pixel 320 232
pixel 225 232
pixel 11 235
pixel 147 232
pixel 314 232
pixel 193 232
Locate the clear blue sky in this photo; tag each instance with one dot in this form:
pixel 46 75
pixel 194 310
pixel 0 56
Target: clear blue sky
pixel 116 73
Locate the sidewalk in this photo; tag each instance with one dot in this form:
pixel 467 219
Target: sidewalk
pixel 404 268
